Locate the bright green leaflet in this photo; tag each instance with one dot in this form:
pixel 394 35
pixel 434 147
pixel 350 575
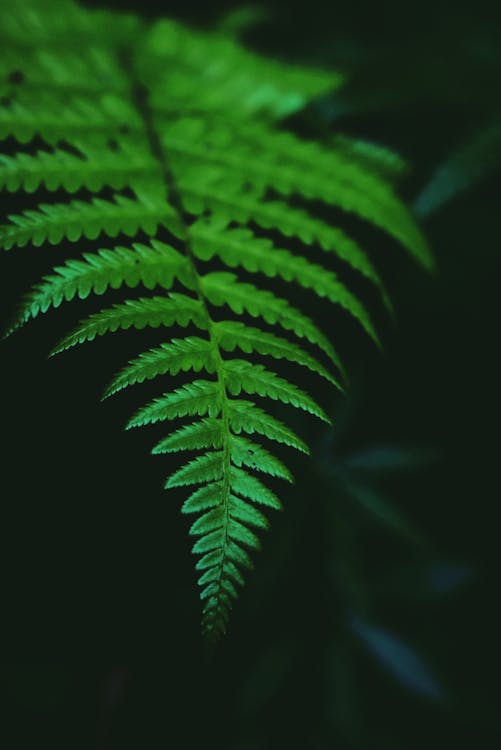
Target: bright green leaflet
pixel 182 129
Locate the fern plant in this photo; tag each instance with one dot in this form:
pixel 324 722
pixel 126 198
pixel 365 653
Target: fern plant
pixel 173 134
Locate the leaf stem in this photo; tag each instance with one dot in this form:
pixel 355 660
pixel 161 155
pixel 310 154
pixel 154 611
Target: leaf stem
pixel 140 99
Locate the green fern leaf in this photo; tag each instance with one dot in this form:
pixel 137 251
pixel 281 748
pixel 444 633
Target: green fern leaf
pixel 214 519
pixel 191 353
pixel 240 375
pixel 222 288
pixel 250 487
pixel 203 498
pixel 232 334
pixel 76 120
pixel 200 397
pixel 206 468
pixel 208 433
pixel 186 131
pixel 146 311
pixel 247 513
pixel 239 247
pixel 245 416
pixel 246 453
pixel 60 169
pixel 287 219
pixel 157 265
pixel 371 155
pixel 58 221
pixel 319 174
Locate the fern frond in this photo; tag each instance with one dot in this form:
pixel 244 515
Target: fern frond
pixel 240 247
pixel 155 265
pixel 203 498
pixel 191 353
pixel 252 488
pixel 316 173
pixel 246 453
pixel 245 416
pixel 185 131
pixel 211 560
pixel 240 375
pixel 292 166
pixel 44 70
pixel 60 169
pixel 240 80
pixel 247 513
pixel 287 219
pixel 58 221
pixel 56 121
pixel 199 397
pixel 206 468
pixel 379 159
pixel 207 433
pixel 232 334
pixel 222 288
pixel 145 311
pixel 39 23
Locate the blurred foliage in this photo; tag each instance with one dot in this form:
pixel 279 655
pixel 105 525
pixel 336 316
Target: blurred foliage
pixel 465 167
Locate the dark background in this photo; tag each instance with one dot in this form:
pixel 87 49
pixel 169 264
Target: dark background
pixel 100 616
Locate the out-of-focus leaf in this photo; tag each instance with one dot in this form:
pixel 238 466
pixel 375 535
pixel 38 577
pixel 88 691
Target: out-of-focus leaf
pixel 374 502
pixel 397 658
pixel 238 20
pixel 444 579
pixel 420 583
pixel 372 156
pixel 465 167
pixel 389 458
